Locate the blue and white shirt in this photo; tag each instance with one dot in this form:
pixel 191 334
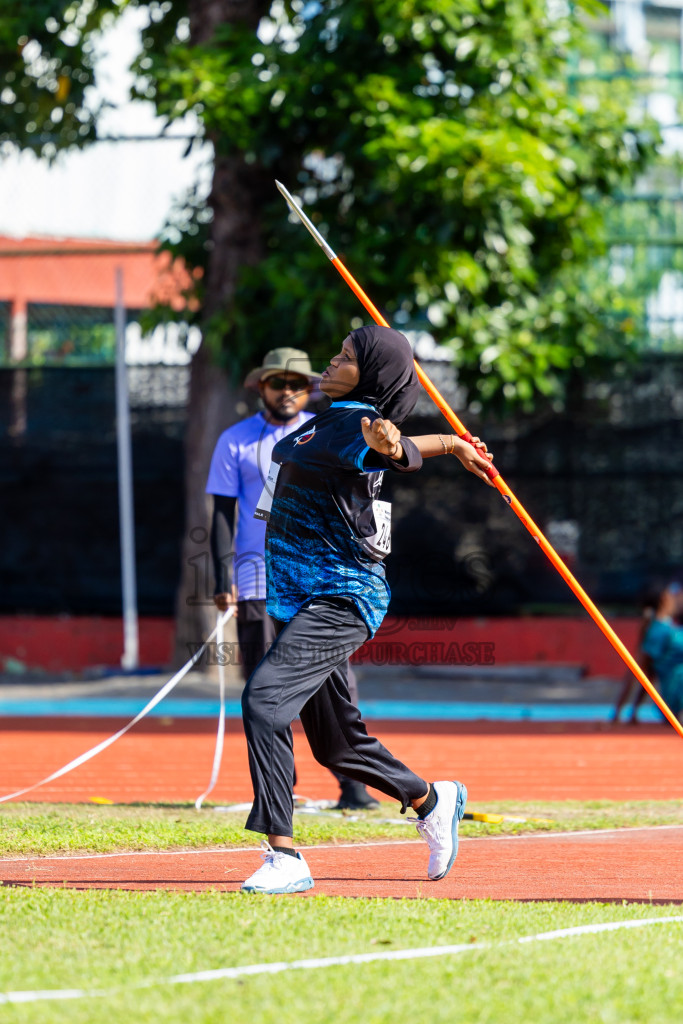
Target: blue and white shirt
pixel 239 467
pixel 322 512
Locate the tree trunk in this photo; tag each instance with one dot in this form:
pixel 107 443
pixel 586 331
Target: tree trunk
pixel 208 15
pixel 235 241
pixel 210 411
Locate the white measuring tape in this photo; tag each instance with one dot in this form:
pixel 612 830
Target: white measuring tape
pixel 156 699
pixel 220 734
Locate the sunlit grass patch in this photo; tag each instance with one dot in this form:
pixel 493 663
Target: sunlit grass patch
pixel 115 941
pixel 35 828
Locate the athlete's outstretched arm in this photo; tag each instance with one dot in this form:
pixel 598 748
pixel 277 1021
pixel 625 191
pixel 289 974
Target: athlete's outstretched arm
pixel 476 462
pixel 385 438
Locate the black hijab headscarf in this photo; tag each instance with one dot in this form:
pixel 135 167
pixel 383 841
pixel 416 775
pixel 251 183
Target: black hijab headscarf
pixel 387 373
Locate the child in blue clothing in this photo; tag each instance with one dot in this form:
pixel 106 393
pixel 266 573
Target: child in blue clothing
pixel 663 643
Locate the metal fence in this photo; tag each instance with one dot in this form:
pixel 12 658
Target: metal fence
pixel 605 482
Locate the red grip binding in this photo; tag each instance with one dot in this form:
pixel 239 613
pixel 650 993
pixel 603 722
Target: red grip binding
pixel 491 472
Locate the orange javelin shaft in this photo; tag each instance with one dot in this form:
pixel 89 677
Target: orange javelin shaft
pixel 498 482
pixel 522 514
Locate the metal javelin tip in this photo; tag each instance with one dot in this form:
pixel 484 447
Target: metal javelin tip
pixel 329 252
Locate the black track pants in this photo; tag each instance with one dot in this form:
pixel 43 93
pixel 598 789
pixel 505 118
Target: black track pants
pixel 305 673
pixel 256 631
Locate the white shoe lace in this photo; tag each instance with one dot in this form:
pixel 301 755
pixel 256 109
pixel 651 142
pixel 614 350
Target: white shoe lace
pixel 431 831
pixel 269 856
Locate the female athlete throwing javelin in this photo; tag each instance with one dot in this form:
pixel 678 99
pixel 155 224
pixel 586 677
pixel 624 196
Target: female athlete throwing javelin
pixel 327 535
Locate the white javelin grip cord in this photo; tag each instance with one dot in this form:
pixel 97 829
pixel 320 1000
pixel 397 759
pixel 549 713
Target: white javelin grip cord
pixel 156 699
pixel 220 735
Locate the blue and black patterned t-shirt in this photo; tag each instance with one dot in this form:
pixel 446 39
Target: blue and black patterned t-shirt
pixel 322 515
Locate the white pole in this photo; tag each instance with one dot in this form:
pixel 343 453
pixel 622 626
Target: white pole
pixel 130 657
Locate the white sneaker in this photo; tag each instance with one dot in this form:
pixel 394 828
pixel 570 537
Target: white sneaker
pixel 279 873
pixel 440 828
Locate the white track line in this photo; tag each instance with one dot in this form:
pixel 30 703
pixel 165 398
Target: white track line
pixel 198 853
pixel 593 833
pixel 278 967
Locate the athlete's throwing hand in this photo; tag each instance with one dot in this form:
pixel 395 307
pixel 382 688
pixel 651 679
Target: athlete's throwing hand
pixel 383 436
pixel 474 456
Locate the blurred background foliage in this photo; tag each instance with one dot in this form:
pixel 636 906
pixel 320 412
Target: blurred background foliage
pixel 47 66
pixel 448 149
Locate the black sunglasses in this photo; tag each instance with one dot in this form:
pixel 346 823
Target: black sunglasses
pixel 281 383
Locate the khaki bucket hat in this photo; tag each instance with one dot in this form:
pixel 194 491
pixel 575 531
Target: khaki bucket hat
pixel 282 360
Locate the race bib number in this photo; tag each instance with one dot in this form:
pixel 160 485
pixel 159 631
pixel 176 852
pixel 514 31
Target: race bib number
pixel 378 545
pixel 265 502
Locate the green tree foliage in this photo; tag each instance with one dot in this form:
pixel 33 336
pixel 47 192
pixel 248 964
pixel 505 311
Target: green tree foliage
pixel 46 62
pixel 444 150
pixel 440 145
pixel 646 249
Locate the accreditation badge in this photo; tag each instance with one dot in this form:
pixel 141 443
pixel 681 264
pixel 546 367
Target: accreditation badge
pixel 378 545
pixel 265 502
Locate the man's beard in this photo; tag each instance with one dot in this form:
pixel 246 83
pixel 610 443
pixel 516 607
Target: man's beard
pixel 278 413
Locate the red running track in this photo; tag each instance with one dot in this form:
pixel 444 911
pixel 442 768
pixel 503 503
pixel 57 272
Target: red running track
pixel 635 865
pixel 170 761
pixel 166 760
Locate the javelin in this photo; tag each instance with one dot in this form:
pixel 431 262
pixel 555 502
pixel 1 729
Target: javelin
pixel 495 477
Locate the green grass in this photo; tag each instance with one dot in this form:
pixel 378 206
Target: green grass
pixel 112 941
pixel 33 828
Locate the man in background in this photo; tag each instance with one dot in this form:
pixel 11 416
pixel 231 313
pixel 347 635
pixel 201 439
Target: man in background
pixel 239 468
